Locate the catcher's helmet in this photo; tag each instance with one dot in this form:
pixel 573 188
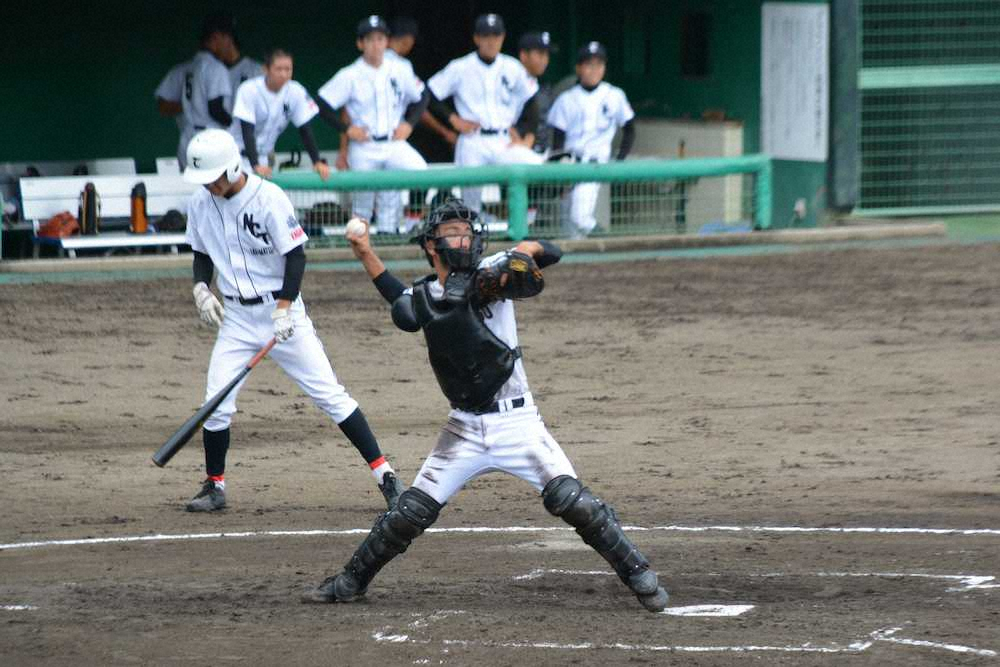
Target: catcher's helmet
pixel 210 154
pixel 460 259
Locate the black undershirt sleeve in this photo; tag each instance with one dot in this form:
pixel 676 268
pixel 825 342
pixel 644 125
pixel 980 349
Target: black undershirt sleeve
pixel 309 141
pixel 416 110
pixel 249 142
pixel 295 268
pixel 217 110
pixel 628 138
pixel 203 268
pixel 551 253
pixel 558 139
pixel 389 286
pixel 330 115
pixel 440 109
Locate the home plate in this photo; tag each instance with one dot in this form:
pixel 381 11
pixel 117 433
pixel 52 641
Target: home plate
pixel 709 610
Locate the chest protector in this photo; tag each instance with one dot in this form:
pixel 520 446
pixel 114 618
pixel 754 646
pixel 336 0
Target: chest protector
pixel 470 362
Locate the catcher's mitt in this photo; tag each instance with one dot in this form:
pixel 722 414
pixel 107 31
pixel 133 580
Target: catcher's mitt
pixel 513 275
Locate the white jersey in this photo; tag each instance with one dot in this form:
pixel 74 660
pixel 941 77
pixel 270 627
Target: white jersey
pixel 491 95
pixel 499 318
pixel 245 236
pixel 209 80
pixel 270 112
pixel 590 119
pixel 376 97
pixel 244 70
pixel 173 86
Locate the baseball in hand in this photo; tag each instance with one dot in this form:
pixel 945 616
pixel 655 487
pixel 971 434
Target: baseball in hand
pixel 356 228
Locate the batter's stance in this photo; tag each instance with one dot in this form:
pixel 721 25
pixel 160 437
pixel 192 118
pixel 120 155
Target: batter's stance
pixel 466 313
pixel 245 227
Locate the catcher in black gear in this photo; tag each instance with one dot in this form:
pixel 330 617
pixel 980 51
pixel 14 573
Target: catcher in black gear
pixel 466 312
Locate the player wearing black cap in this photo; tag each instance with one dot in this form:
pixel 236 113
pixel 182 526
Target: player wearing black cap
pixel 490 90
pixel 584 120
pixel 533 52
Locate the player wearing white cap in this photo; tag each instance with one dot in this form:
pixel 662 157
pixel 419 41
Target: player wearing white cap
pixel 384 100
pixel 584 121
pixel 490 90
pixel 244 228
pixel 264 107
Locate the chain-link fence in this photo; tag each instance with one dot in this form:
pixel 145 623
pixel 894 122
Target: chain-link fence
pixel 930 105
pixel 638 197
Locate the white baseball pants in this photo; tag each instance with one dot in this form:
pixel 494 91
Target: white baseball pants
pixel 577 210
pixel 380 155
pixel 514 442
pixel 475 150
pixel 245 330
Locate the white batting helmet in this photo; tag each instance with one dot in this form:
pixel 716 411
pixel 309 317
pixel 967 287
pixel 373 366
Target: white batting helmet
pixel 210 154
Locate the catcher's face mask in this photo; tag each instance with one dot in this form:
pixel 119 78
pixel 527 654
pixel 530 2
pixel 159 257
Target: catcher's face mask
pixel 458 237
pixel 459 244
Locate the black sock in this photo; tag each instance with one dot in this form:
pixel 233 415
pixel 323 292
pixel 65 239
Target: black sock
pixel 216 446
pixel 360 434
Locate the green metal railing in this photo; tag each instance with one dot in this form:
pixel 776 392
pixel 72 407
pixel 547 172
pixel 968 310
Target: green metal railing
pixel 522 182
pixel 930 106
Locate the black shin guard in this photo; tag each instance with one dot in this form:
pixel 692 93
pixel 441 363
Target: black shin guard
pixel 392 534
pixel 216 446
pixel 596 523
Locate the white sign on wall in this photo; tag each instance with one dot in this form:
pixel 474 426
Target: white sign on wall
pixel 795 81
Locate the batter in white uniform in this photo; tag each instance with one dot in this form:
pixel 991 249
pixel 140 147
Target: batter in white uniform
pixel 384 100
pixel 245 228
pixel 490 91
pixel 466 313
pixel 169 101
pixel 265 105
pixel 584 120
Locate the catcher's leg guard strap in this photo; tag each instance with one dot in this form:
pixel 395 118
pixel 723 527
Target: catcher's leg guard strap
pixel 595 522
pixel 392 534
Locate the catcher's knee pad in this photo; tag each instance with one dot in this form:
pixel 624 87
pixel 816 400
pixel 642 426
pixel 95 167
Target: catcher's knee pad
pixel 392 534
pixel 595 522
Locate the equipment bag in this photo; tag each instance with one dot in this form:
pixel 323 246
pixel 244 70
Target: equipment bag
pixel 138 221
pixel 90 210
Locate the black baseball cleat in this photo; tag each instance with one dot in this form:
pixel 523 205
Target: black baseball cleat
pixel 647 588
pixel 209 499
pixel 341 588
pixel 391 488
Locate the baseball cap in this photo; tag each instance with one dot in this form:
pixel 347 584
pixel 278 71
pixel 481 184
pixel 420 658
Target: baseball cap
pixel 403 25
pixel 591 50
pixel 489 24
pixel 371 24
pixel 541 41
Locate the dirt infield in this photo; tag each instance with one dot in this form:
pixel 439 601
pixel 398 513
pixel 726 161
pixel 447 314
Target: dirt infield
pixel 702 398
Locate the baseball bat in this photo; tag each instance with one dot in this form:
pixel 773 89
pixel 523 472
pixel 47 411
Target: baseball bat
pixel 188 428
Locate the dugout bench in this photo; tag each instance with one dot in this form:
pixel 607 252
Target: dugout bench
pixel 44 197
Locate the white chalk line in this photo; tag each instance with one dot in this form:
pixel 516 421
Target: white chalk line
pixel 17 607
pixel 989 532
pixel 881 635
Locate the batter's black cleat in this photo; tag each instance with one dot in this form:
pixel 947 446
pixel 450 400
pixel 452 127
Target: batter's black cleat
pixel 647 588
pixel 341 588
pixel 391 488
pixel 209 499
